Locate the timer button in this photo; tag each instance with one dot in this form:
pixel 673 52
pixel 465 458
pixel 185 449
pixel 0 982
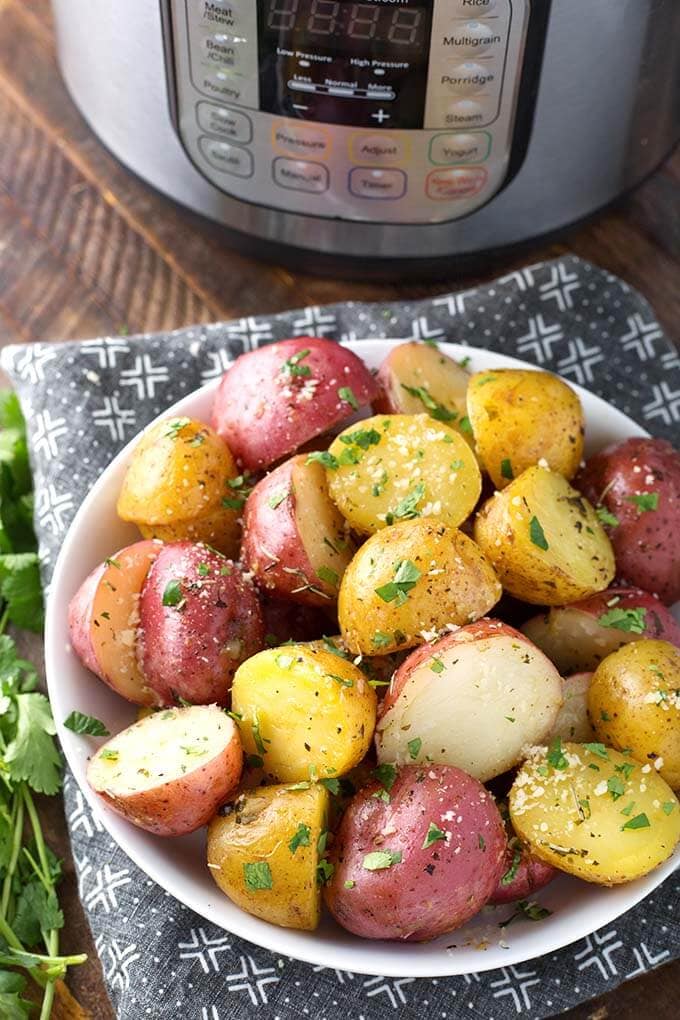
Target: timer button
pixel 471 37
pixel 300 139
pixel 378 148
pixel 466 8
pixel 230 159
pixel 300 175
pixel 218 120
pixel 469 78
pixel 366 182
pixel 456 184
pixel 446 150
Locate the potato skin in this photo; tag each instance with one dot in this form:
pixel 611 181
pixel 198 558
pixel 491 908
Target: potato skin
pixel 525 874
pixel 433 889
pixel 175 485
pixel 264 412
pixel 80 619
pixel 456 585
pixel 303 709
pixel 573 722
pixel 192 650
pixel 572 818
pixel 520 417
pixel 259 829
pixel 646 554
pixel 634 702
pixel 578 560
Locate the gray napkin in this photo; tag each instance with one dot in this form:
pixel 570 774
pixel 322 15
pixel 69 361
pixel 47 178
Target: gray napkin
pixel 84 401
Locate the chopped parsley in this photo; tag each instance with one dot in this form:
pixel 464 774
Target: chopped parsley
pixel 300 838
pixel 513 869
pixel 380 859
pixel 260 741
pixel 435 410
pixel 605 516
pixel 436 665
pixel 324 872
pixel 323 457
pixel 346 393
pixel 203 569
pixel 257 875
pixel 632 621
pixel 77 722
pixel 414 747
pixel 407 508
pixel 537 535
pixel 667 807
pixel 172 596
pixel 363 438
pixel 386 775
pixel 406 576
pixel 292 367
pixel 645 501
pixel 599 749
pixel 349 884
pixel 434 833
pixel 108 754
pixel 532 911
pixel 640 821
pixel 343 681
pixel 506 469
pixel 276 499
pixel 110 562
pixel 465 425
pixel 556 756
pixel 381 640
pixel 332 785
pixel 616 787
pixel 176 426
pixel 328 575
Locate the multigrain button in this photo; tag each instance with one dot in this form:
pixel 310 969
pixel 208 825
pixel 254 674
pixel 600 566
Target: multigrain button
pixel 470 8
pixel 377 148
pixel 230 159
pixel 300 139
pixel 455 184
pixel 218 120
pixel 300 175
pixel 468 38
pixel 367 182
pixel 445 150
pixel 469 78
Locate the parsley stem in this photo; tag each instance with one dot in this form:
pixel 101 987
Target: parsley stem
pixel 52 937
pixel 17 834
pixel 4 618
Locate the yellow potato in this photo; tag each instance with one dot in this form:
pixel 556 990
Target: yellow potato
pixel 545 540
pixel 592 811
pixel 264 854
pixel 303 712
pixel 176 486
pixel 415 577
pixel 397 467
pixel 520 417
pixel 634 702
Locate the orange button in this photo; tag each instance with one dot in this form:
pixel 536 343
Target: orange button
pixel 456 183
pixel 298 139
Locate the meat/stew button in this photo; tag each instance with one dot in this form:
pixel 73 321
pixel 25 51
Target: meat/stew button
pixel 456 183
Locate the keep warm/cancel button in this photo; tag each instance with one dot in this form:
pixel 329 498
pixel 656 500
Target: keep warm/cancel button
pixel 456 183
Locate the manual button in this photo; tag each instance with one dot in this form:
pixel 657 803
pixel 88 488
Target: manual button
pixel 230 159
pixel 300 175
pixel 366 182
pixel 449 149
pixel 299 139
pixel 219 120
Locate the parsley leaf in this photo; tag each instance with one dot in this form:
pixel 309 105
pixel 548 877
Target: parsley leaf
pixel 37 913
pixel 599 749
pixel 506 469
pixel 414 747
pixel 32 755
pixel 300 838
pixel 378 860
pixel 407 508
pixel 537 535
pixel 323 457
pixel 405 577
pixel 346 393
pixel 77 722
pixel 332 785
pixel 434 833
pixel 292 367
pixel 616 787
pixel 172 596
pixel 645 501
pixel 328 575
pixel 605 516
pixel 513 869
pixel 276 499
pixel 257 875
pixel 380 640
pixel 434 409
pixel 386 775
pixel 363 438
pixel 632 621
pixel 556 756
pixel 21 591
pixel 640 821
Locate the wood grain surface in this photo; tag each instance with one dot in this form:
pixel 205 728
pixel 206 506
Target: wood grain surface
pixel 87 249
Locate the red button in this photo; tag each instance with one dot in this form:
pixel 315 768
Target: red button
pixel 456 183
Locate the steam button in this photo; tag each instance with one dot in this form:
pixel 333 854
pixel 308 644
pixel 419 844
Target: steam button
pixel 470 113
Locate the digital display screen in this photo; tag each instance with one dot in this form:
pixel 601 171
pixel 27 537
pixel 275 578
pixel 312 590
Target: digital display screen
pixel 345 62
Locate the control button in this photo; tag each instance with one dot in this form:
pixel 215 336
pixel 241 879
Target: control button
pixel 380 148
pixel 457 183
pixel 465 8
pixel 219 12
pixel 225 83
pixel 469 78
pixel 470 113
pixel 230 159
pixel 218 120
pixel 300 139
pixel 471 38
pixel 224 50
pixel 446 150
pixel 365 182
pixel 300 175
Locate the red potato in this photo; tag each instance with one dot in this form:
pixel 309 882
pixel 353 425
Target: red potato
pixel 295 542
pixel 277 398
pixel 200 618
pixel 638 482
pixel 169 773
pixel 474 699
pixel 524 875
pixel 104 618
pixel 422 862
pixel 290 621
pixel 572 722
pixel 579 636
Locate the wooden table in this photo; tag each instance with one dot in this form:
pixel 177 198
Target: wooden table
pixel 86 249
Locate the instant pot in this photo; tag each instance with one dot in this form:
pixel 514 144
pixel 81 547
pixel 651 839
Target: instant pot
pixel 382 134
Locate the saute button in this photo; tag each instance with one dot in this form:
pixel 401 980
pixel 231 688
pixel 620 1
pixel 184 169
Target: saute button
pixel 457 183
pixel 230 159
pixel 446 150
pixel 366 182
pixel 377 148
pixel 469 38
pixel 301 175
pixel 299 139
pixel 218 120
pixel 473 7
pixel 469 78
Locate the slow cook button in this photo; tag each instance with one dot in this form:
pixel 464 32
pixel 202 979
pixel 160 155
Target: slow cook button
pixel 366 182
pixel 300 175
pixel 218 120
pixel 457 183
pixel 469 78
pixel 230 159
pixel 446 150
pixel 378 148
pixel 299 139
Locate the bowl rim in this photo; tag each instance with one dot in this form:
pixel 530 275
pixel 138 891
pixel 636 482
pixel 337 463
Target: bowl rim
pixel 354 954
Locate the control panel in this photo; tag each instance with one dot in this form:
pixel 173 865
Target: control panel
pixel 397 111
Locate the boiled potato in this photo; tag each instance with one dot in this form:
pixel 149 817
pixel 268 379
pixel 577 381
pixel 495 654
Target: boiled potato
pixel 414 577
pixel 397 467
pixel 572 722
pixel 177 486
pixel 264 854
pixel 634 702
pixel 592 811
pixel 520 417
pixel 303 712
pixel 545 540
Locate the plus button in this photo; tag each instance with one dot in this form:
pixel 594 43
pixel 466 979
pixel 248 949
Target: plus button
pixel 380 116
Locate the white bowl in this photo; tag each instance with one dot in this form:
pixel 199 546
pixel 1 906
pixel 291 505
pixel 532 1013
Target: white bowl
pixel 178 865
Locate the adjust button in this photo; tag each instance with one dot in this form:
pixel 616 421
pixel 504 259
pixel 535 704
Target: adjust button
pixel 455 184
pixel 366 182
pixel 230 159
pixel 218 120
pixel 446 150
pixel 300 139
pixel 377 148
pixel 300 175
pixel 469 78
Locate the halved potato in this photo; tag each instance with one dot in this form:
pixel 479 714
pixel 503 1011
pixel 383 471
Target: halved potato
pixel 410 580
pixel 265 853
pixel 176 486
pixel 545 540
pixel 572 722
pixel 591 811
pixel 295 541
pixel 397 467
pixel 303 712
pixel 520 417
pixel 169 772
